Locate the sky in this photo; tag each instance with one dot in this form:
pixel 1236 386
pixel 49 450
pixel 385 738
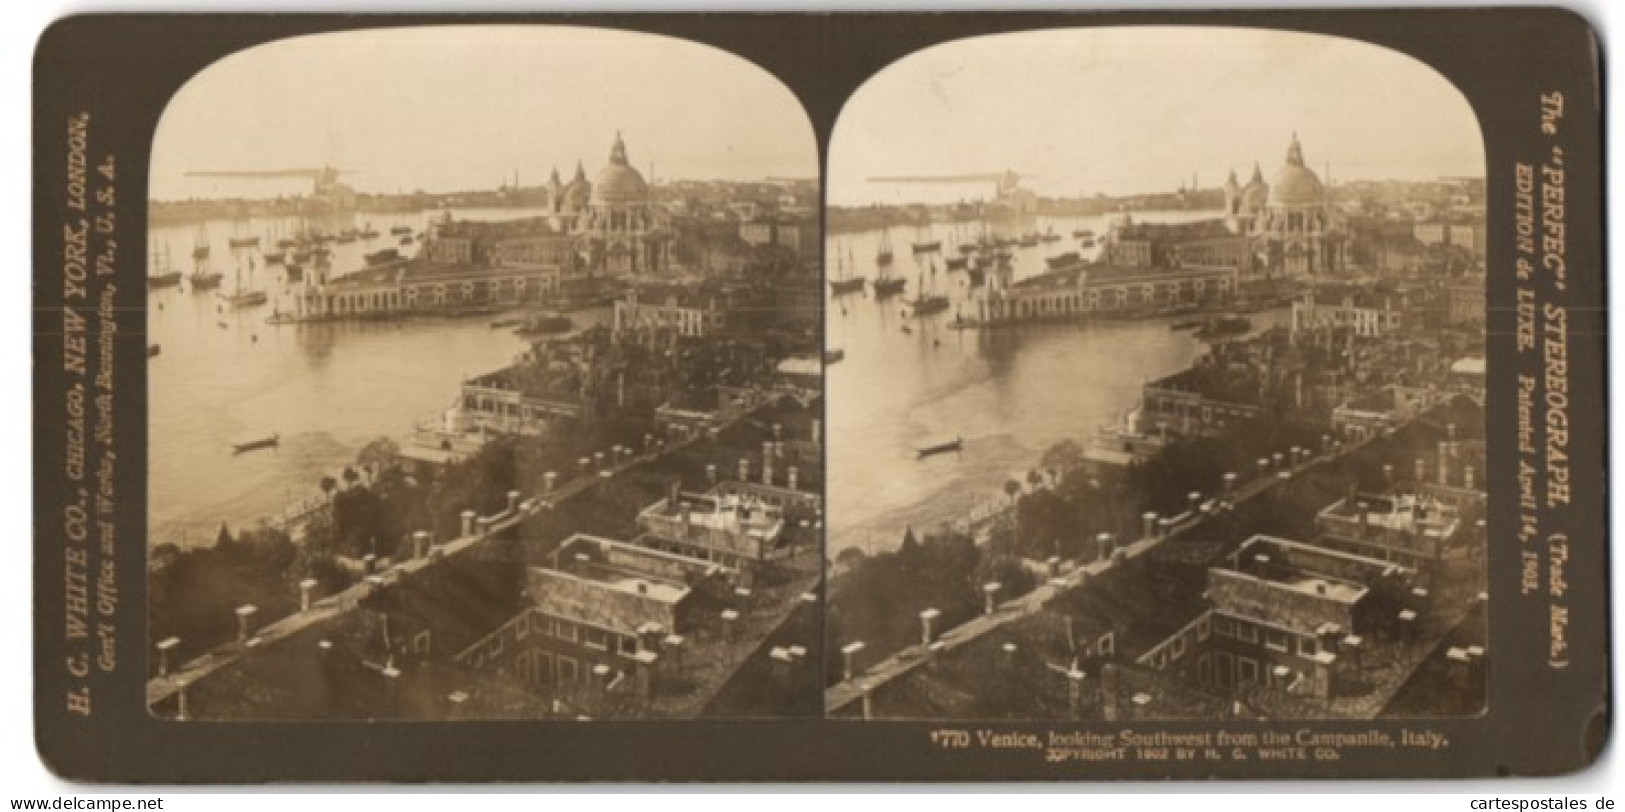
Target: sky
pixel 457 108
pixel 1135 110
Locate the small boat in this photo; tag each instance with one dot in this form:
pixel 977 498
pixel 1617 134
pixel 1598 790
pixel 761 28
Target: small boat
pixel 1189 324
pixel 1062 260
pixel 851 284
pixel 1028 240
pixel 926 305
pixel 546 324
pixel 834 355
pixel 254 445
pixel 400 230
pixel 245 298
pixel 956 444
pixel 153 349
pixel 243 242
pixel 406 241
pixel 204 280
pixel 976 277
pixel 1088 242
pixel 956 263
pixel 367 232
pixel 927 247
pixel 969 248
pixel 164 280
pixel 383 257
pixel 907 329
pixel 889 285
pixel 1224 326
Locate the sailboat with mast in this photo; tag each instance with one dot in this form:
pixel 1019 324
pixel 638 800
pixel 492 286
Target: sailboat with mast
pixel 202 278
pixel 883 254
pixel 927 302
pixel 240 296
pixel 845 282
pixel 162 276
pixel 886 284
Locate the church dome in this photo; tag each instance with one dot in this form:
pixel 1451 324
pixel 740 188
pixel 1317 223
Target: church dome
pixel 618 182
pixel 1296 185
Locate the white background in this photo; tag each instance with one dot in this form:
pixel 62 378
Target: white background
pixel 22 775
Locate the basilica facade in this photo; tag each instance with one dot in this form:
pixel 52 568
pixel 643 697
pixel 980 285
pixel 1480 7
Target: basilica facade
pixel 613 224
pixel 1292 228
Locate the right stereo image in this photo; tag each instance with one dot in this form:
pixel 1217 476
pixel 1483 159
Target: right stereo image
pixel 1156 373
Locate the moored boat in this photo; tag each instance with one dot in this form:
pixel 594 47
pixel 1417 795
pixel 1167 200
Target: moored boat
pixel 254 445
pixel 956 444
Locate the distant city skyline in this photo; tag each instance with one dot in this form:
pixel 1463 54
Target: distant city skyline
pixel 452 109
pixel 1142 110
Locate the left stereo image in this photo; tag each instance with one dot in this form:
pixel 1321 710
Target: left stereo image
pixel 485 382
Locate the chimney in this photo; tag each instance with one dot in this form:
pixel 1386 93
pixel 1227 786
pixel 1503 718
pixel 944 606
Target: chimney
pixel 1467 473
pixel 1229 482
pixel 245 621
pixel 1103 546
pixel 990 591
pixel 585 463
pixel 369 563
pixel 1194 499
pixel 925 625
pixel 513 502
pixel 307 589
pixel 1388 474
pixel 744 470
pixel 1365 518
pixel 868 700
pixel 648 442
pixel 420 544
pixel 1075 690
pixel 1263 466
pixel 849 655
pixel 729 618
pixel 468 523
pixel 549 480
pixel 165 646
pixel 778 431
pixel 1421 470
pixel 673 493
pixel 711 473
pixel 790 477
pixel 816 425
pixel 180 700
pixel 1444 463
pixel 1148 524
pixel 482 525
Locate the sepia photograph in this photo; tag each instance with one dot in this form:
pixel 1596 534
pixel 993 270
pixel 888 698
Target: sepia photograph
pixel 1157 372
pixel 485 382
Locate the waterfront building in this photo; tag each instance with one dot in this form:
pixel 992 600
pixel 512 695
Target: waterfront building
pixel 1202 399
pixel 693 312
pixel 1365 313
pixel 419 286
pixel 1103 289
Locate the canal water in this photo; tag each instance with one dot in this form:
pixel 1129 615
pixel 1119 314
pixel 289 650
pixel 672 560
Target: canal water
pixel 1010 392
pixel 225 376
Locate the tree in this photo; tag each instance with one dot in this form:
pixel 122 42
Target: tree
pixel 329 485
pixel 1011 488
